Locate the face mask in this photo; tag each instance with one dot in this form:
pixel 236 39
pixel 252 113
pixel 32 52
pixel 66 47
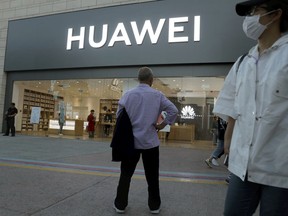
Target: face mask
pixel 253 28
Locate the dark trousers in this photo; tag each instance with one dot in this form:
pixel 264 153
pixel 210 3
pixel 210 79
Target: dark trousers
pixel 10 126
pixel 242 199
pixel 61 127
pixel 150 158
pixel 106 129
pixel 91 134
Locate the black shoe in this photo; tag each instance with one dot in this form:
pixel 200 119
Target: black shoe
pixel 5 134
pixel 12 135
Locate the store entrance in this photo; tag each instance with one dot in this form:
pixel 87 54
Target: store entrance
pixel 42 102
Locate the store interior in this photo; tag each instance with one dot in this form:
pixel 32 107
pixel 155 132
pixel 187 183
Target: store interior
pixel 43 100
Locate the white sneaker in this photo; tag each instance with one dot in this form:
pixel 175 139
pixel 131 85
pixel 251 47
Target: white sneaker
pixel 157 211
pixel 208 162
pixel 215 162
pixel 119 211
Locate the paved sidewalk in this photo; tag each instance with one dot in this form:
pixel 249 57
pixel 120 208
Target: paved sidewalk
pixel 54 176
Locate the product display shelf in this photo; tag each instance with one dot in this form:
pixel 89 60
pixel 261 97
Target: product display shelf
pixel 111 104
pixel 37 99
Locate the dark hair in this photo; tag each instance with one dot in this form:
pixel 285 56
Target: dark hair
pixel 145 74
pixel 91 110
pixel 283 5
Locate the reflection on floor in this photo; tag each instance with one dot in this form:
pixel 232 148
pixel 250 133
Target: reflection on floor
pixel 197 144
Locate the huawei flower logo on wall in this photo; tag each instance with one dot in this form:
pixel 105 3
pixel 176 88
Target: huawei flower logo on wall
pixel 188 113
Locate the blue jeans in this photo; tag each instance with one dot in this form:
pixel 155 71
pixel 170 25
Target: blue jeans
pixel 243 197
pixel 219 150
pixel 150 158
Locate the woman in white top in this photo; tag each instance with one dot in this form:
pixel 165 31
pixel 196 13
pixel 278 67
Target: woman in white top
pixel 254 101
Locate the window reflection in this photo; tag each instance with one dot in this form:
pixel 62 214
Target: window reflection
pixel 193 96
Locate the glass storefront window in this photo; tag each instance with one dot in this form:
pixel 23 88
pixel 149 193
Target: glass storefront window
pixel 193 96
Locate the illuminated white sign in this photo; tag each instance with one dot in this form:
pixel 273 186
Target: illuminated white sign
pixel 197 24
pixel 120 33
pixel 188 113
pixel 115 86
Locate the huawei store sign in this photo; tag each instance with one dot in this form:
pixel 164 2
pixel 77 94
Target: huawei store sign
pixel 188 112
pixel 120 33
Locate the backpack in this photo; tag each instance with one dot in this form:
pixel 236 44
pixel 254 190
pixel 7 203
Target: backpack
pixel 240 61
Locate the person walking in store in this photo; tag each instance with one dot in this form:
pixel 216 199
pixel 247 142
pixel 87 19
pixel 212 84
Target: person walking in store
pixel 61 121
pixel 254 102
pixel 10 120
pixel 107 121
pixel 91 124
pixel 219 150
pixel 143 105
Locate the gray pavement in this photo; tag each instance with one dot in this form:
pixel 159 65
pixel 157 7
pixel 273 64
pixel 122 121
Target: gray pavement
pixel 56 176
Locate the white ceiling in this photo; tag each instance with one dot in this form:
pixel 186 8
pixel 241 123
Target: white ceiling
pixel 171 87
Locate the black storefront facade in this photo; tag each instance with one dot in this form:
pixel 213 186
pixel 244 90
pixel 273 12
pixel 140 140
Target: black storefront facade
pixel 178 39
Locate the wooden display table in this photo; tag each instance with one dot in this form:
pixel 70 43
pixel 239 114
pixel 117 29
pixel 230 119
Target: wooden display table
pixel 183 133
pixel 74 127
pixel 79 125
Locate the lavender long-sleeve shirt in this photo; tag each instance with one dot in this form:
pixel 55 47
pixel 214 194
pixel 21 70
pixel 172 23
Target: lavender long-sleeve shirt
pixel 143 105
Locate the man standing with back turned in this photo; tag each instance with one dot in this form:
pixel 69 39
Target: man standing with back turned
pixel 143 105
